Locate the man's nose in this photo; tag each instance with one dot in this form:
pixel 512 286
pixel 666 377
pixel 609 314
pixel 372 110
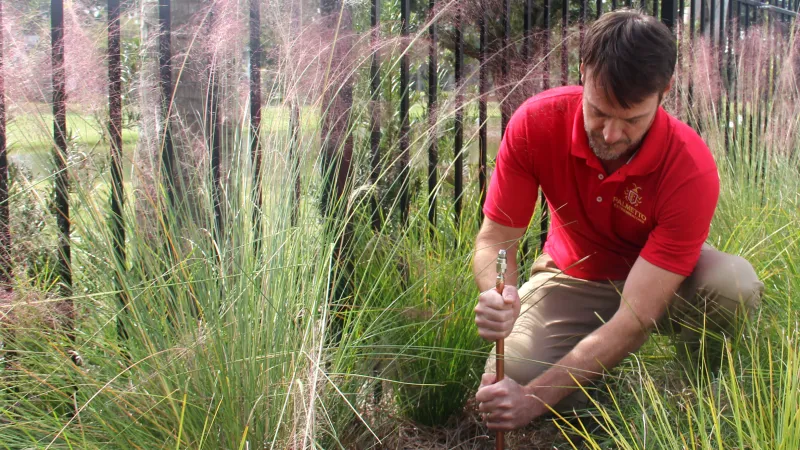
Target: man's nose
pixel 612 132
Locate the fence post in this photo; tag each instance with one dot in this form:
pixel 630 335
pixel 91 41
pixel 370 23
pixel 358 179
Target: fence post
pixel 459 119
pixel 433 84
pixel 165 80
pixel 6 268
pixel 669 13
pixel 527 26
pixel 404 160
pixel 581 23
pixel 60 150
pixel 255 112
pixel 375 116
pixel 115 133
pixel 483 84
pixel 213 130
pixel 546 20
pixel 564 45
pixel 504 114
pixel 543 223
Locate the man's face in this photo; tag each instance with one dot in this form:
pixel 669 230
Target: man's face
pixel 614 131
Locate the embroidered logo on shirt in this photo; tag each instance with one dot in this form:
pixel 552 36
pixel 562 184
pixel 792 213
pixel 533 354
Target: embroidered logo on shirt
pixel 632 195
pixel 633 198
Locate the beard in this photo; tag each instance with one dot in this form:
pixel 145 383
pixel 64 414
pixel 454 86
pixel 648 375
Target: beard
pixel 612 152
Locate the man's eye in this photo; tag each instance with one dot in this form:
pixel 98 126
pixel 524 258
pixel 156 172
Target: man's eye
pixel 632 121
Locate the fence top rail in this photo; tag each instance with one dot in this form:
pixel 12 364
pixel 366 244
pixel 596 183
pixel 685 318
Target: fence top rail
pixel 768 7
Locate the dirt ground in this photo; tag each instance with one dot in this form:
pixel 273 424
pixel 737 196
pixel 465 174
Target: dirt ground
pixel 466 432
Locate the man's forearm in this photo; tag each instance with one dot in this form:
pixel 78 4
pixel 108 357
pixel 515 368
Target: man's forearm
pixel 601 350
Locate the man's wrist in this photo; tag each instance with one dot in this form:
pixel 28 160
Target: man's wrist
pixel 538 404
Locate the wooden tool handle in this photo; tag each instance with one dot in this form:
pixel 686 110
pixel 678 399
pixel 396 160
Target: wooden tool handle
pixel 499 369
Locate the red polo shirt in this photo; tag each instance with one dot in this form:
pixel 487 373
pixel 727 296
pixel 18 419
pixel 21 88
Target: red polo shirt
pixel 658 206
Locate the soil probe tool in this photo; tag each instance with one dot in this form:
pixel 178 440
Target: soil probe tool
pixel 499 285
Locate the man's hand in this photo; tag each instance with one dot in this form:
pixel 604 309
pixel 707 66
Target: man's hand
pixel 495 314
pixel 506 406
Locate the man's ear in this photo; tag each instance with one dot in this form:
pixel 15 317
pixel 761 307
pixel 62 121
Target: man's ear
pixel 582 72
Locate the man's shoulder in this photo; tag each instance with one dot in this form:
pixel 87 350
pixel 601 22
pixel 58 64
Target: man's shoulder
pixel 560 99
pixel 691 148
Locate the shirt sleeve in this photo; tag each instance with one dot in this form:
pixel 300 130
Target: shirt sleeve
pixel 513 189
pixel 683 224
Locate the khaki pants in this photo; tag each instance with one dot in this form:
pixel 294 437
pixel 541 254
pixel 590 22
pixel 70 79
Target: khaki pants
pixel 558 311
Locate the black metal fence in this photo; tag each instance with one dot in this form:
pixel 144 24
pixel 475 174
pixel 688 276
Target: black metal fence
pixel 719 24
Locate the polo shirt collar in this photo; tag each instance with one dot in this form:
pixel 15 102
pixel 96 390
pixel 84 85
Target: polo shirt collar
pixel 644 161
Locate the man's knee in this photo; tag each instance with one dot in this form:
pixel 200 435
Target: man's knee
pixel 515 365
pixel 732 280
pixel 725 288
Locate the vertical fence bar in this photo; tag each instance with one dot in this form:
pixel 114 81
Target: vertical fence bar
pixel 213 130
pixel 458 143
pixel 750 115
pixel 115 134
pixel 294 122
pixel 527 25
pixel 712 12
pixel 723 73
pixel 433 84
pixel 564 45
pixel 294 151
pixel 483 83
pixel 255 114
pixel 702 16
pixel 730 133
pixel 746 17
pixel 669 11
pixel 690 64
pixel 6 268
pixel 60 150
pixel 375 116
pixel 505 49
pixel 543 222
pixel 680 29
pixel 655 8
pixel 628 3
pixel 546 20
pixel 734 49
pixel 405 14
pixel 772 69
pixel 722 26
pixel 581 23
pixel 165 78
pixel 613 5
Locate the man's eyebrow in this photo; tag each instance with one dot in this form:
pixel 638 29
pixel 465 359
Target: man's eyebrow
pixel 607 115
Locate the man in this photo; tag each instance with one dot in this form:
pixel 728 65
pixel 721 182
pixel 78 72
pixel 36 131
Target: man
pixel 631 192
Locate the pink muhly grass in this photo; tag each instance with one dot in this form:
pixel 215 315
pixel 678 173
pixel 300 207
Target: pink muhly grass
pixel 86 69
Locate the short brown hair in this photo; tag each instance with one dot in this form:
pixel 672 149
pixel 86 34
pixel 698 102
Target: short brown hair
pixel 632 55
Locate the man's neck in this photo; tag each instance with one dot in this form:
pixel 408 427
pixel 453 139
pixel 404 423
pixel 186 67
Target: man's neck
pixel 614 165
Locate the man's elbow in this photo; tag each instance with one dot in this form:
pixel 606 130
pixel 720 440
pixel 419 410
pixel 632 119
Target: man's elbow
pixel 634 332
